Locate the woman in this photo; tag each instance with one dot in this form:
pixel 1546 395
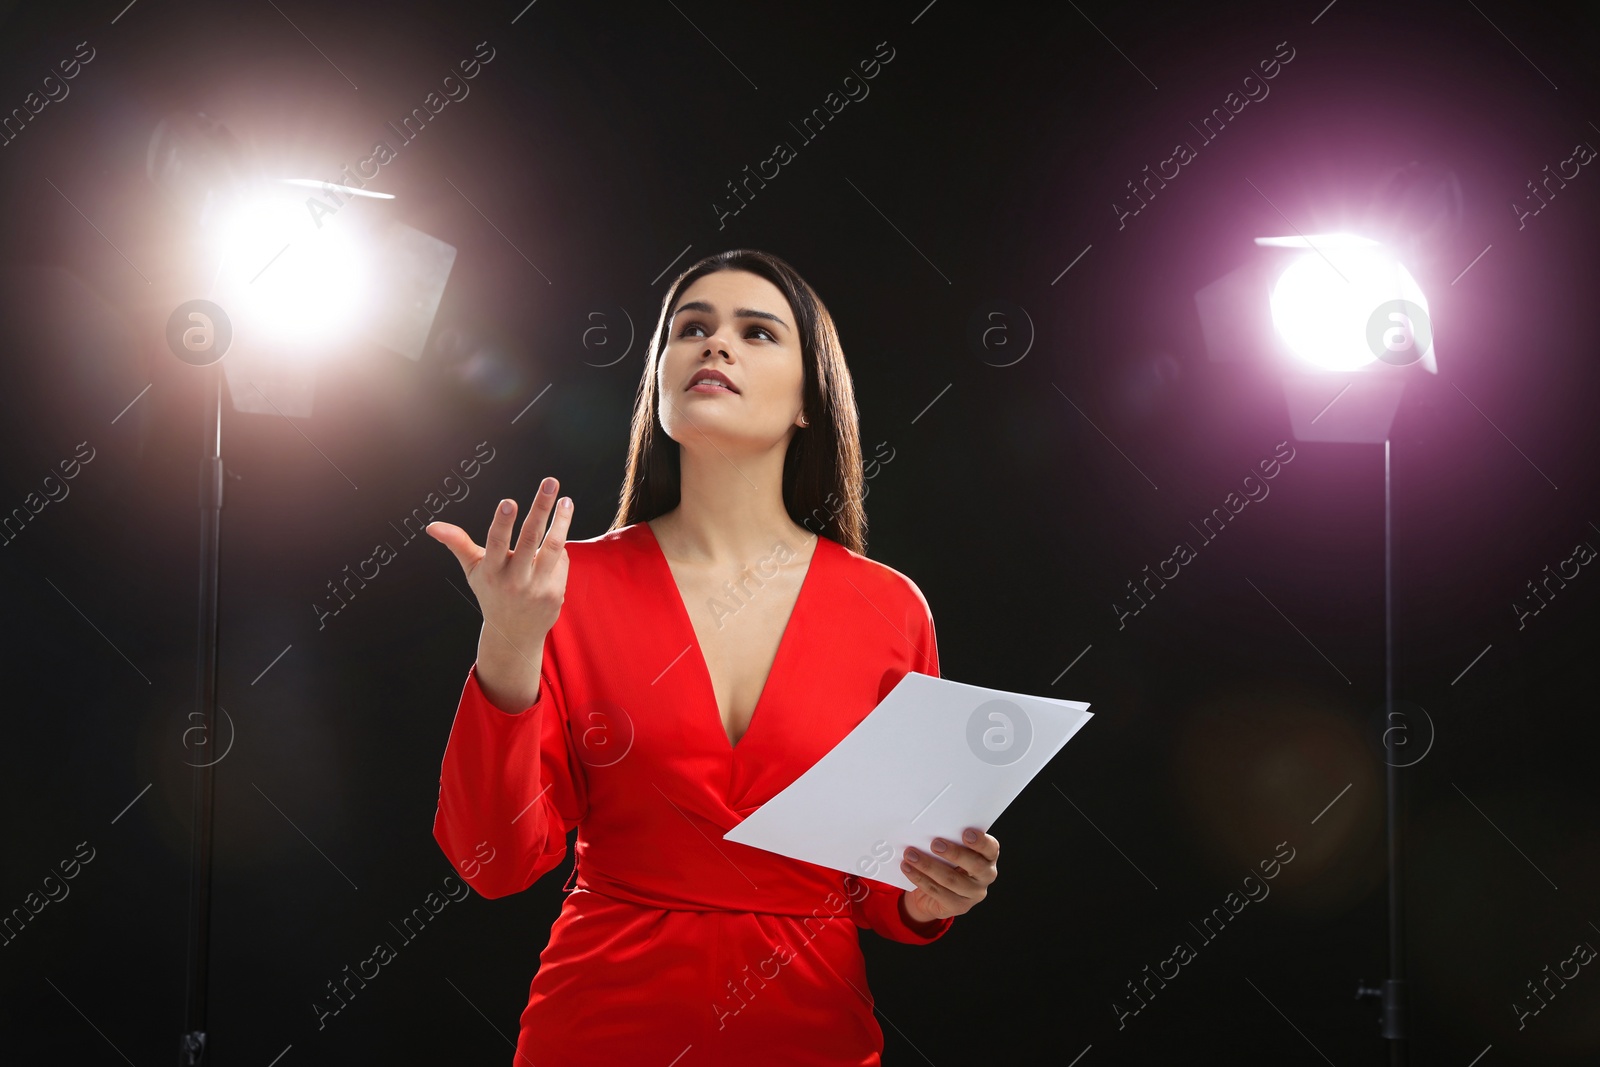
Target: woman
pixel 699 656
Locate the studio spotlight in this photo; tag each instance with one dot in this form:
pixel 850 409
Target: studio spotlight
pixel 287 278
pixel 298 270
pixel 1344 325
pixel 302 268
pixel 1342 322
pixel 1343 303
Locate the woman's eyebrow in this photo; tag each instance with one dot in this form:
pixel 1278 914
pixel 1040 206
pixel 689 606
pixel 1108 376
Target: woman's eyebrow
pixel 738 313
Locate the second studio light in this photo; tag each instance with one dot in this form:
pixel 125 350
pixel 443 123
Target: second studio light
pixel 1347 301
pixel 1344 326
pixel 288 276
pixel 1339 319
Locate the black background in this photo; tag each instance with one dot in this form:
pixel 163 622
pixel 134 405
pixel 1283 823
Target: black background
pixel 1229 713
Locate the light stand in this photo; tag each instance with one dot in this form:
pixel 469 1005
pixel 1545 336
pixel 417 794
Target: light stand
pixel 1392 995
pixel 1394 989
pixel 199 166
pixel 192 1048
pixel 1359 316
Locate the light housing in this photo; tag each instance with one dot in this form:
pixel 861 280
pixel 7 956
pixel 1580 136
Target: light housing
pixel 1341 319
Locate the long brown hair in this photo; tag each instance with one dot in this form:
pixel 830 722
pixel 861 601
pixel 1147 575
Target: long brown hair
pixel 822 472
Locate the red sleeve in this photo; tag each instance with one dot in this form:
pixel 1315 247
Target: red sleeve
pixel 510 788
pixel 880 911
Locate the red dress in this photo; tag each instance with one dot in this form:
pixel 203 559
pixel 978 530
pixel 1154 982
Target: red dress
pixel 677 948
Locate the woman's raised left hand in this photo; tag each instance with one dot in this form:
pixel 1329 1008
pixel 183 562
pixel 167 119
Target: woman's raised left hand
pixel 943 890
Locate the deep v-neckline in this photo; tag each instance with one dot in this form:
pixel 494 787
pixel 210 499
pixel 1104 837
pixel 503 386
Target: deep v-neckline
pixel 694 638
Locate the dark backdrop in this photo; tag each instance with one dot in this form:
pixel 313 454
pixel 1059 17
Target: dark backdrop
pixel 1237 715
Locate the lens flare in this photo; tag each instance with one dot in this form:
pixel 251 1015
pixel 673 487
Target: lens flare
pixel 290 276
pixel 1323 302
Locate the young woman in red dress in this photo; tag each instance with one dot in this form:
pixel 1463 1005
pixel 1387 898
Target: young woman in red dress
pixel 652 686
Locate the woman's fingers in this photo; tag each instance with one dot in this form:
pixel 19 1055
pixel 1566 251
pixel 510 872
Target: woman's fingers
pixel 533 526
pixel 498 543
pixel 518 597
pixel 556 538
pixel 460 544
pixel 979 865
pixel 940 874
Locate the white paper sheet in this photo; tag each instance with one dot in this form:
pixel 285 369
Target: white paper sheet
pixel 933 758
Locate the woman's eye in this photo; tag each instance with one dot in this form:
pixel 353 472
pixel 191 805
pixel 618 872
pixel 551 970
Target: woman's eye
pixel 766 334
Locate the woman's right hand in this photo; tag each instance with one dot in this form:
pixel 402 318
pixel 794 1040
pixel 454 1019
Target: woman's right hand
pixel 519 591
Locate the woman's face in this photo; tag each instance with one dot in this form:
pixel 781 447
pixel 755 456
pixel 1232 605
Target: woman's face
pixel 741 325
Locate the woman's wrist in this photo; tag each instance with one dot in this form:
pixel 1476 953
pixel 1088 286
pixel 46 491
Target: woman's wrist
pixel 911 919
pixel 509 677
